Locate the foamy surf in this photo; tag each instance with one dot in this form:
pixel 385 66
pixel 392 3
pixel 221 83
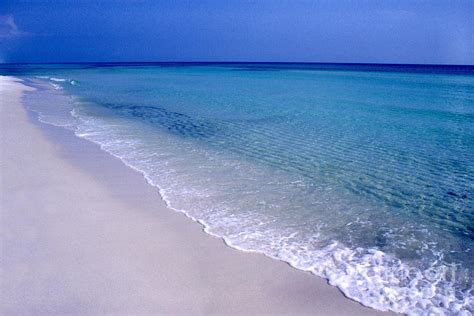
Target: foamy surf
pixel 55 81
pixel 369 276
pixel 254 187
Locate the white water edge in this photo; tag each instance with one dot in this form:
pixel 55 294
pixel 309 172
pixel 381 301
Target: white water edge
pixel 369 276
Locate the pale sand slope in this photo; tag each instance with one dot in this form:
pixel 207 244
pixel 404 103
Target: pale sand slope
pixel 83 234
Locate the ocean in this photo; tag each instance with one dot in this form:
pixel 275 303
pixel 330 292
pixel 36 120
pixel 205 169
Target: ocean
pixel 361 174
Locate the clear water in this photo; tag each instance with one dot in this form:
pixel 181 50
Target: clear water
pixel 363 175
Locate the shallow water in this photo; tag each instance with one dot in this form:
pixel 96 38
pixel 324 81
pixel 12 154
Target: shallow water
pixel 363 175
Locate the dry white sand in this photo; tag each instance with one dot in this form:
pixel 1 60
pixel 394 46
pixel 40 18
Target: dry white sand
pixel 83 234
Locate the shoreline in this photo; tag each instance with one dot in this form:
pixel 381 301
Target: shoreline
pixel 78 240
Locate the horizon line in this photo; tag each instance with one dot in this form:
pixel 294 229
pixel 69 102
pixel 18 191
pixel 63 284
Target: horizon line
pixel 230 62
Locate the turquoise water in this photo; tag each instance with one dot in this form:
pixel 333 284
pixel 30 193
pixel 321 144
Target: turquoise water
pixel 363 175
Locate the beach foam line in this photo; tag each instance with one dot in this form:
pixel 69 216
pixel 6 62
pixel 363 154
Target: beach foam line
pixel 369 276
pixel 54 79
pixel 365 275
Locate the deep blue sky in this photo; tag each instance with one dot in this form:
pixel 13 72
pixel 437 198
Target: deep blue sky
pixel 436 32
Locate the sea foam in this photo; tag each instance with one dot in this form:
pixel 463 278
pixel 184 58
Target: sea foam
pixel 389 261
pixel 370 276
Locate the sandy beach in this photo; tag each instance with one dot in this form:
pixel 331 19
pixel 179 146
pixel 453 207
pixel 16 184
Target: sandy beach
pixel 81 233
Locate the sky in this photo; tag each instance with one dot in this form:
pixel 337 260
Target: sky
pixel 383 31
